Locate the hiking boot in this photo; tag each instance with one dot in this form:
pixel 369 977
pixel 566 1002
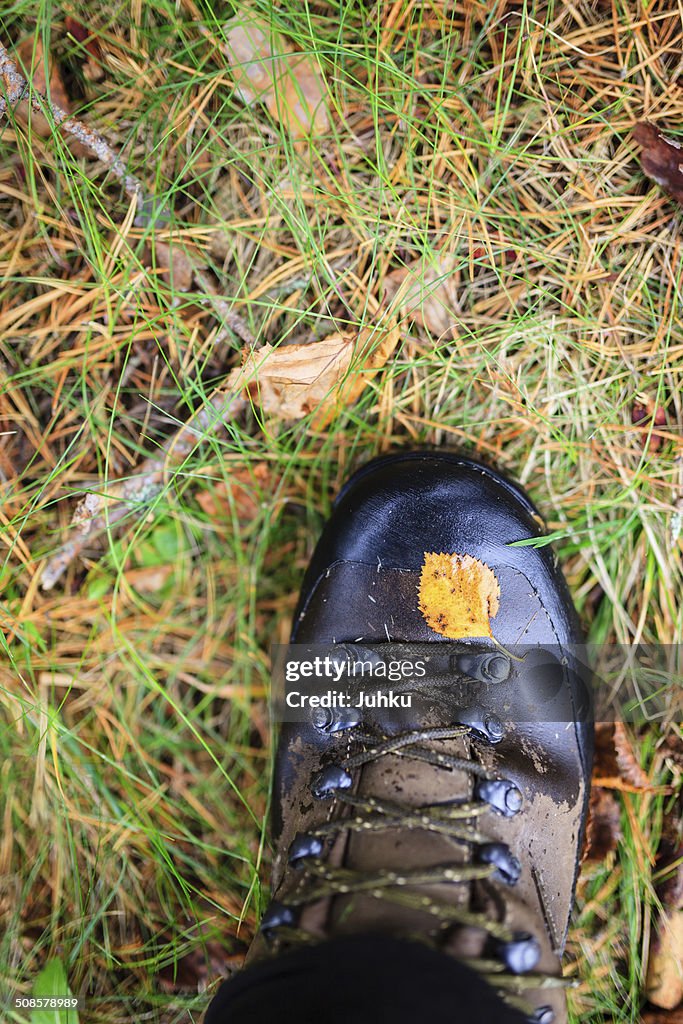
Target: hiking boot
pixel 452 812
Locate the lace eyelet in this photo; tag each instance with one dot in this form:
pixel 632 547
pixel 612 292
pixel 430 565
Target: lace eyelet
pixel 488 726
pixel 508 867
pixel 542 1015
pixel 278 915
pixel 501 794
pixel 330 779
pixel 328 720
pixel 486 668
pixel 521 954
pixel 495 729
pixel 304 846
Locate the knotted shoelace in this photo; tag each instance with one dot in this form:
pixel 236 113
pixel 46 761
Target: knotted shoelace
pixel 516 954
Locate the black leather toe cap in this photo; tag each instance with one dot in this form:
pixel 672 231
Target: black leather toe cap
pixel 397 508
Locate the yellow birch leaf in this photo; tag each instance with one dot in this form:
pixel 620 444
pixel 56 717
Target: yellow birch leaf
pixel 458 595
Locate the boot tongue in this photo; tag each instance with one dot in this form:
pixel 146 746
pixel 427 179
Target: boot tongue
pixel 414 784
pixel 393 705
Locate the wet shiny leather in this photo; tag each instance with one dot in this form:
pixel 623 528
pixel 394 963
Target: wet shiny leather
pixel 362 585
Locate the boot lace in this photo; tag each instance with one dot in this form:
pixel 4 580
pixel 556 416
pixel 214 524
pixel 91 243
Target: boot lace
pixel 513 955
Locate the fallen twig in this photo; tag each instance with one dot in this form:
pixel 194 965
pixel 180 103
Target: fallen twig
pixel 233 320
pixel 16 88
pixel 97 512
pixel 289 383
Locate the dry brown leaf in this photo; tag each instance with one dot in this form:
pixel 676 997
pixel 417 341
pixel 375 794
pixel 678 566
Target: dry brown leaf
pixel 425 292
pixel 661 159
pixel 31 57
pixel 645 413
pixel 265 69
pixel 603 828
pixel 458 595
pixel 243 492
pixel 673 745
pixel 149 579
pixel 92 65
pixel 662 1016
pixel 616 765
pixel 664 982
pixel 292 381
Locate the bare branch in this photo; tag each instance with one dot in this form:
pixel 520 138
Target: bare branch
pixel 98 512
pixel 17 88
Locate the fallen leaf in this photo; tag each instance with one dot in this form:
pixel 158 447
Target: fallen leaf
pixel 662 1016
pixel 458 595
pixel 31 61
pixel 673 745
pixel 603 828
pixel 292 381
pixel 267 70
pixel 150 579
pixel 669 864
pixel 427 292
pixel 664 981
pixel 661 159
pixel 615 765
pixel 244 492
pixel 92 64
pixel 82 35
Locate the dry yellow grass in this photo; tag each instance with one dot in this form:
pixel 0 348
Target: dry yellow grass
pixel 492 140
